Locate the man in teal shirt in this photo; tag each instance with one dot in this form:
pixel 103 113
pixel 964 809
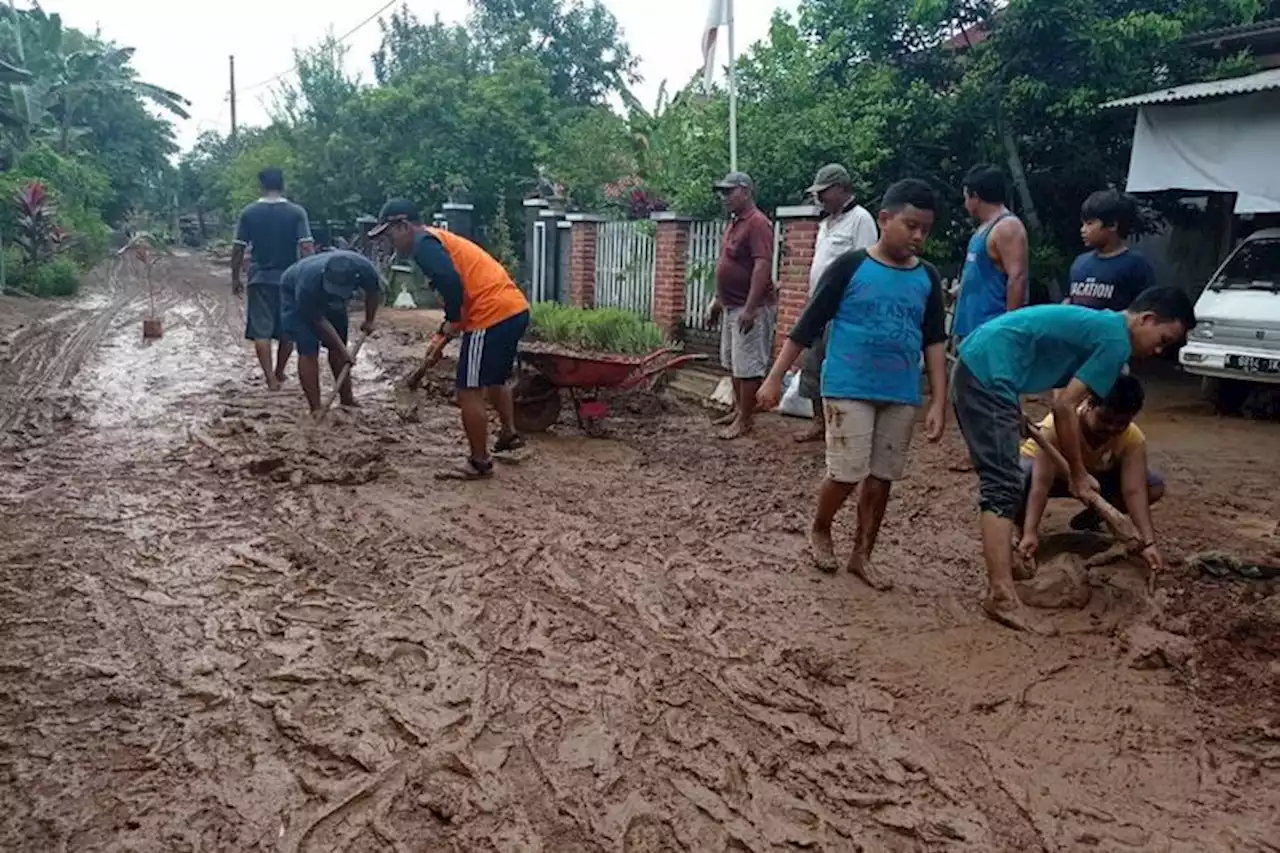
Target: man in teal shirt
pixel 1079 350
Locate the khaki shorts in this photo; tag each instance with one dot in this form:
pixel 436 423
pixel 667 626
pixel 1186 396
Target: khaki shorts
pixel 867 439
pixel 747 355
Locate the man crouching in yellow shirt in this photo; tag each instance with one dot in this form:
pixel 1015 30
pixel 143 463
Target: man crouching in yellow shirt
pixel 1114 451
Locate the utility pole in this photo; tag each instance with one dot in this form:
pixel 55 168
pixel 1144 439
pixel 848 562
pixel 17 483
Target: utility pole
pixel 233 96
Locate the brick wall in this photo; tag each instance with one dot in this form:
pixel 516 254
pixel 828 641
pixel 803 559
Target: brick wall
pixel 799 236
pixel 671 252
pixel 582 260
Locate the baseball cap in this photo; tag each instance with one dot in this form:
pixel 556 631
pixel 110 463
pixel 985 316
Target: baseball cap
pixel 830 175
pixel 347 272
pixel 733 180
pixel 396 210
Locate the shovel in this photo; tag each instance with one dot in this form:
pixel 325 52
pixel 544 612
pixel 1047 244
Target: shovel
pixel 343 375
pixel 1121 527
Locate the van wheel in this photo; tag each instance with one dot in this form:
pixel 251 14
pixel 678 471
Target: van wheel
pixel 1226 395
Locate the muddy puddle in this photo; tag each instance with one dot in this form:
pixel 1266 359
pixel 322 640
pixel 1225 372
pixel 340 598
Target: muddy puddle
pixel 225 630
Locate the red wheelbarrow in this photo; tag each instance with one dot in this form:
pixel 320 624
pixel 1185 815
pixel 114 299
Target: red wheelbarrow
pixel 543 375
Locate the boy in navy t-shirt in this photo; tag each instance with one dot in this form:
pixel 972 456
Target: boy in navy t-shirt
pixel 884 306
pixel 1110 275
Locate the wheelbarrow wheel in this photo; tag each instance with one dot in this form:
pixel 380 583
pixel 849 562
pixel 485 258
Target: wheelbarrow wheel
pixel 537 404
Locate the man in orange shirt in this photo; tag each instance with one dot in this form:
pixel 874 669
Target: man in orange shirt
pixel 485 307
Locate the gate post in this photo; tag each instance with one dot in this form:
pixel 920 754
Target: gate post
pixel 532 207
pixel 795 255
pixel 460 218
pixel 584 228
pixel 671 254
pixel 547 256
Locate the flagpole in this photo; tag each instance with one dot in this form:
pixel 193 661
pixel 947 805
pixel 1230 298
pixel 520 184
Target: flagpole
pixel 733 94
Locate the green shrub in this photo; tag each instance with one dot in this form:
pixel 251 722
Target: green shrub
pixel 57 277
pixel 595 329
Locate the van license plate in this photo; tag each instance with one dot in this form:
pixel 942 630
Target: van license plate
pixel 1253 364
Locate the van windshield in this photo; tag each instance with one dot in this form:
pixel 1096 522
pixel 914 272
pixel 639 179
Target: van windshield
pixel 1255 265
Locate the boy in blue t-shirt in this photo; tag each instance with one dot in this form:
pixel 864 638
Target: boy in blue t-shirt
pixel 1079 350
pixel 1110 275
pixel 884 306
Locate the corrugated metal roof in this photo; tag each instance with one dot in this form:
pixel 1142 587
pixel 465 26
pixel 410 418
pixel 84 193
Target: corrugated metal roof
pixel 1239 30
pixel 1261 82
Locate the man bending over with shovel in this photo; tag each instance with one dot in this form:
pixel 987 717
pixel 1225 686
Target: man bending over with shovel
pixel 485 307
pixel 1080 351
pixel 313 306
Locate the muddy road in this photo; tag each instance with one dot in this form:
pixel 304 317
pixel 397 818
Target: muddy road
pixel 222 631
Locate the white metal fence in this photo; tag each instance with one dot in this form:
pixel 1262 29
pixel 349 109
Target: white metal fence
pixel 700 270
pixel 625 266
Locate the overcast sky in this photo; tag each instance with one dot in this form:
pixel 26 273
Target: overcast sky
pixel 184 46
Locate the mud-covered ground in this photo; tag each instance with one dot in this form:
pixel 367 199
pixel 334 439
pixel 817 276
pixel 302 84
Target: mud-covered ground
pixel 222 631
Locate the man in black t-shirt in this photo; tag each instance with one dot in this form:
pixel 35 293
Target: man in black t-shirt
pixel 277 233
pixel 1110 275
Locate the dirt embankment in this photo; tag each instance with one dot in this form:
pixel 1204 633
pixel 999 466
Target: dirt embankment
pixel 225 632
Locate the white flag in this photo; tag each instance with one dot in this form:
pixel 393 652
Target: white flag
pixel 716 18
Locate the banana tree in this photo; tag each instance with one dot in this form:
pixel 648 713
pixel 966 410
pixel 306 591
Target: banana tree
pixel 98 70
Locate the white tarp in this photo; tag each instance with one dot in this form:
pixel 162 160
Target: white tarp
pixel 1227 145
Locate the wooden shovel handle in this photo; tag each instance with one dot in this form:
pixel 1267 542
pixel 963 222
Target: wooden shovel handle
pixel 1123 529
pixel 342 377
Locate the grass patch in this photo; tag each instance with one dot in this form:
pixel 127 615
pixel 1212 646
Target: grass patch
pixel 594 329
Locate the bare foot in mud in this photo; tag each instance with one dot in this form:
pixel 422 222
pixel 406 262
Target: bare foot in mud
pixel 1009 612
pixel 736 429
pixel 351 403
pixel 823 548
pixel 725 419
pixel 817 432
pixel 870 574
pixel 280 377
pixel 273 384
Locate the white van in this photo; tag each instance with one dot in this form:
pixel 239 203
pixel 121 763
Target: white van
pixel 1236 342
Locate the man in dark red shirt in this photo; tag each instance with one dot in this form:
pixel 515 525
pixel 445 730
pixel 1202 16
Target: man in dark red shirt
pixel 746 299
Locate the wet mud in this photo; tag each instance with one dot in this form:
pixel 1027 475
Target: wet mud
pixel 223 629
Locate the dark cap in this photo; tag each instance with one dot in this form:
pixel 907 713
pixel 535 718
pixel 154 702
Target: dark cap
pixel 396 210
pixel 347 271
pixel 830 175
pixel 733 180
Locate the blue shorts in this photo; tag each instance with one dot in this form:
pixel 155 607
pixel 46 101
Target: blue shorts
pixel 304 333
pixel 262 312
pixel 488 356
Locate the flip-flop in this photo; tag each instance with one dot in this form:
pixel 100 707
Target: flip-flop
pixel 468 470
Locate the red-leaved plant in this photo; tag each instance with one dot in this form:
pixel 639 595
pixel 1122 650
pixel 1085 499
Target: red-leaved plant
pixel 38 231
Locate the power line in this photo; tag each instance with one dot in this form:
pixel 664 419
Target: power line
pixel 342 38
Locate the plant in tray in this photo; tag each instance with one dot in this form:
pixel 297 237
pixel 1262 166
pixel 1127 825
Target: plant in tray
pixel 606 330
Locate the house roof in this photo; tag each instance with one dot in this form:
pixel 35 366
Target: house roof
pixel 1262 81
pixel 1236 32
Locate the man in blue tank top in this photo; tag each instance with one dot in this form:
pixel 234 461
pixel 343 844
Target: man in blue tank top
pixel 995 278
pixel 884 306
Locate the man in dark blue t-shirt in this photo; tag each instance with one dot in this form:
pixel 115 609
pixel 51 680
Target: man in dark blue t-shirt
pixel 1110 275
pixel 277 232
pixel 313 306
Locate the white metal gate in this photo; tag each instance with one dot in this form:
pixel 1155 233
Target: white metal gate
pixel 625 255
pixel 700 270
